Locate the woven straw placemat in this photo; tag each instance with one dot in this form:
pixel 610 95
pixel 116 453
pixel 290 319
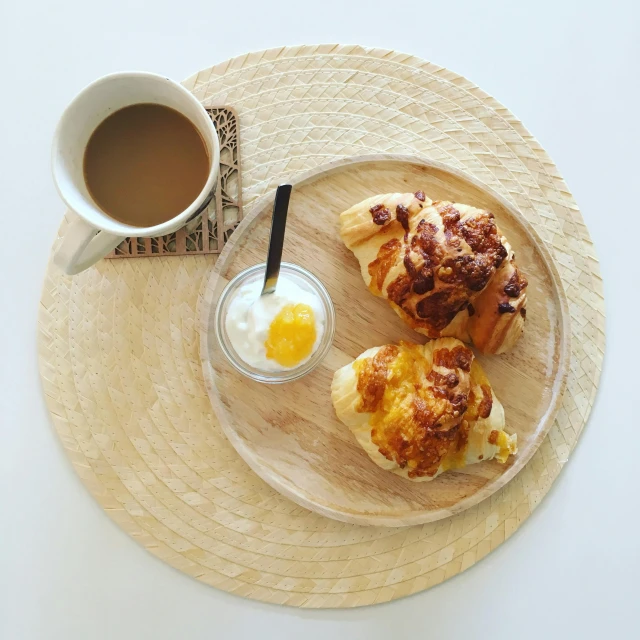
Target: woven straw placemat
pixel 119 345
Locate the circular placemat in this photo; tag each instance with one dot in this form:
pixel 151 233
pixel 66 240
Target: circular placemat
pixel 119 343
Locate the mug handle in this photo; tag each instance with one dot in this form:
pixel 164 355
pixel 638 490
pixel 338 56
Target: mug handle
pixel 83 245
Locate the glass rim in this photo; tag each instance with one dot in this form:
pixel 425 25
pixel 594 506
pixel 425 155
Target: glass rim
pixel 288 375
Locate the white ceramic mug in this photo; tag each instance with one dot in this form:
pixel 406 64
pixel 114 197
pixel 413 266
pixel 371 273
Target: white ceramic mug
pixel 92 233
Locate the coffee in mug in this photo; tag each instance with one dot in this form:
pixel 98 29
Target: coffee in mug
pixel 134 154
pixel 144 164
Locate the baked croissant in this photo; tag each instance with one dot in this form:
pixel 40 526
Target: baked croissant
pixel 419 410
pixel 444 267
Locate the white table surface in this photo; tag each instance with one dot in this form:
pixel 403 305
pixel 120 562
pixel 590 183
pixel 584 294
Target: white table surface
pixel 569 71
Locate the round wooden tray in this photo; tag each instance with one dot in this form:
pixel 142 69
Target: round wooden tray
pixel 289 434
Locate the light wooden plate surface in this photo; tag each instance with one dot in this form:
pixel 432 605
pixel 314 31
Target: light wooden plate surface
pixel 289 434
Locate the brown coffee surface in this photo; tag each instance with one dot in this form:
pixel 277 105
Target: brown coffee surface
pixel 144 164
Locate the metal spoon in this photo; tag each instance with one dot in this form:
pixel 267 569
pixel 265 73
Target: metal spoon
pixel 276 239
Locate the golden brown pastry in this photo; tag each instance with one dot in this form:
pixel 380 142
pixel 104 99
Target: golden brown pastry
pixel 444 267
pixel 419 410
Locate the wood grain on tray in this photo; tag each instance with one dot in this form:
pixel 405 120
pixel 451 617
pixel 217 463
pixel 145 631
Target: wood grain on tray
pixel 290 434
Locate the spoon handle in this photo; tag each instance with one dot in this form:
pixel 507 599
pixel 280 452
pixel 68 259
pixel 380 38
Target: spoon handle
pixel 276 240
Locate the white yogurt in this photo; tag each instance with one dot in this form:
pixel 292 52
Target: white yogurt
pixel 250 315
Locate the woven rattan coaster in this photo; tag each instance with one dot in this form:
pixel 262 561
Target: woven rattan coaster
pixel 120 361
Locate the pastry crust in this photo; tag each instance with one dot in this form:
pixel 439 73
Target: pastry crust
pixel 444 267
pixel 419 410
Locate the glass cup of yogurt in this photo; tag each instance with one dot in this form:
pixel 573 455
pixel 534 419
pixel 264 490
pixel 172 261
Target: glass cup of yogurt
pixel 278 337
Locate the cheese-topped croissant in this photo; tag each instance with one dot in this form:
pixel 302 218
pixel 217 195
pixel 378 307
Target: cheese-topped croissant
pixel 419 410
pixel 444 267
